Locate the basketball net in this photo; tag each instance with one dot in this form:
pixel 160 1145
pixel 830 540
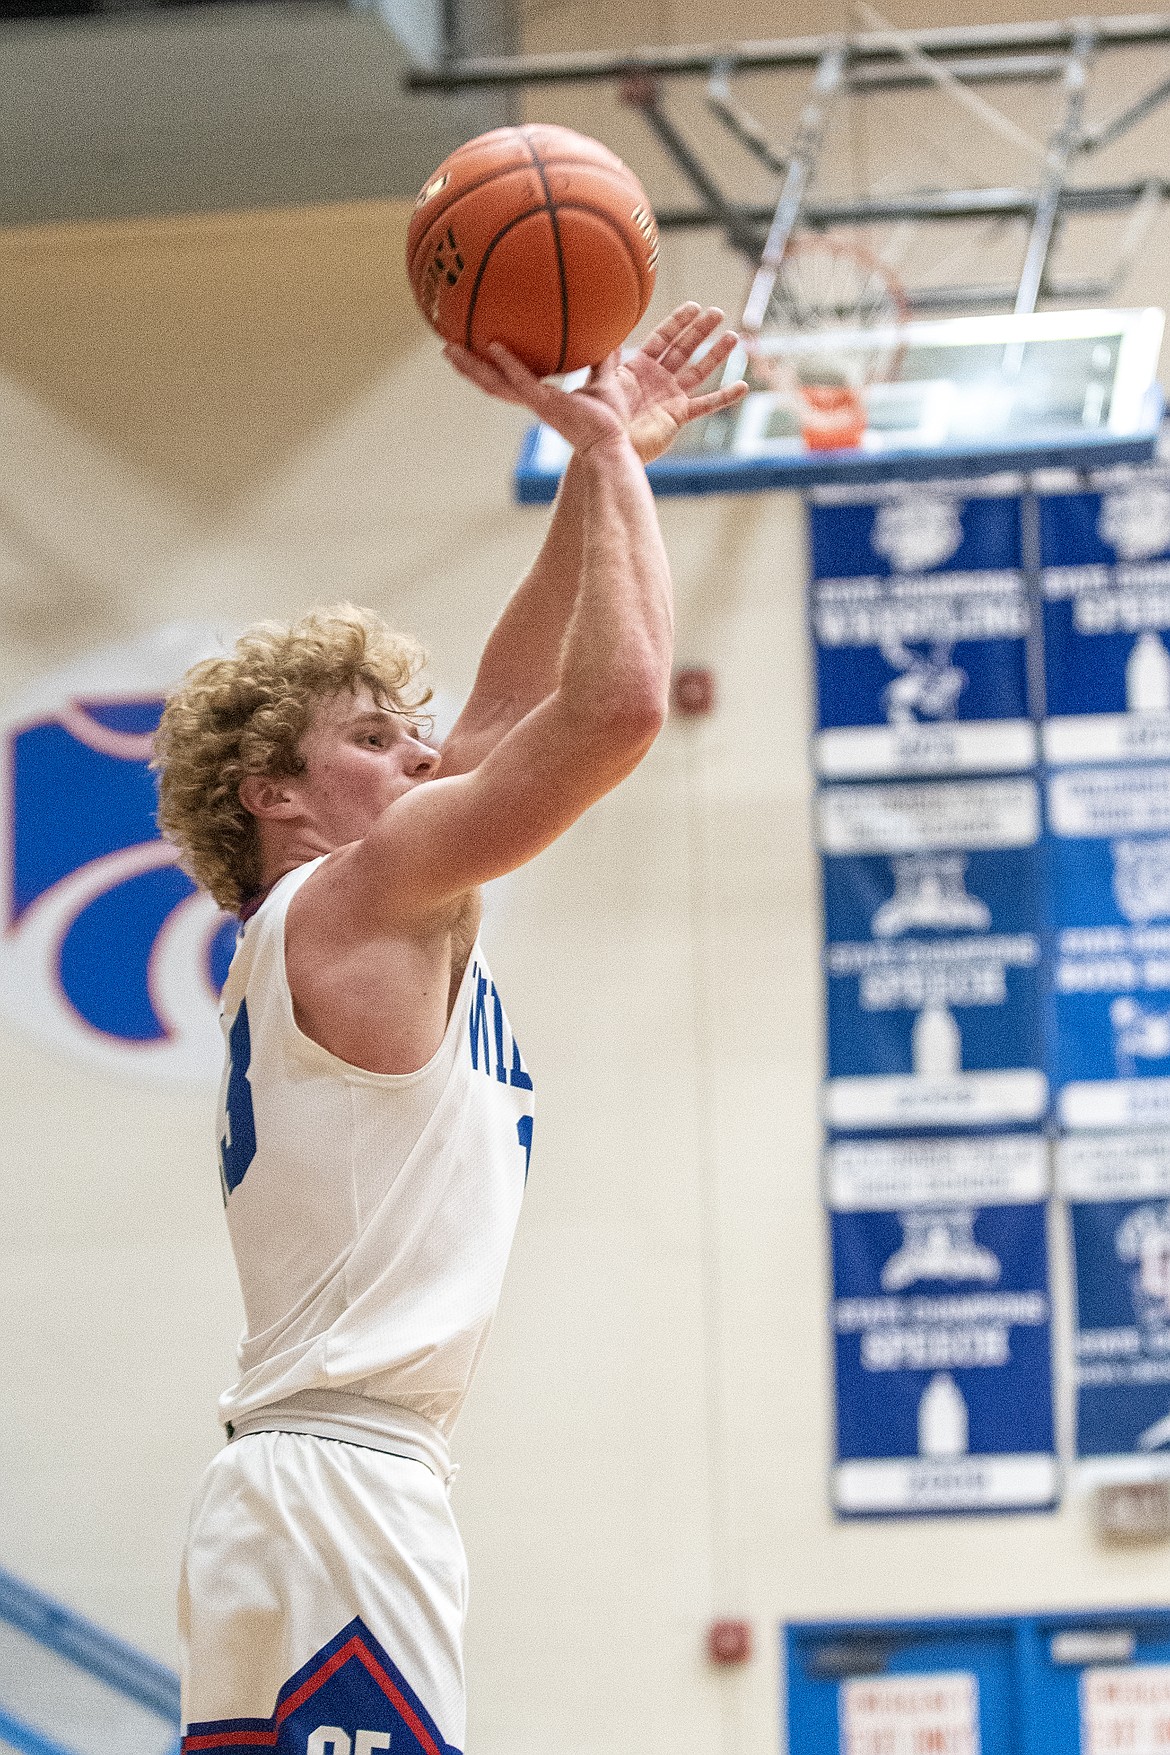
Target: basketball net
pixel 832 327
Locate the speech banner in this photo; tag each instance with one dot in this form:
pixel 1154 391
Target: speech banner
pixel 920 619
pixel 1118 1191
pixel 941 1320
pixel 1109 867
pixel 933 898
pixel 1105 580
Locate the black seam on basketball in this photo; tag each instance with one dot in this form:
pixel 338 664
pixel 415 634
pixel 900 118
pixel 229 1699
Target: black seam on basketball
pixel 558 246
pixel 484 260
pixel 606 219
pixel 439 212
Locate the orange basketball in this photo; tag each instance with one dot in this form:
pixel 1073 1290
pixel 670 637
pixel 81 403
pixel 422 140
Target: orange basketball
pixel 537 237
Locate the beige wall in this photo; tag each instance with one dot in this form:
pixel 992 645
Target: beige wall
pixel 219 419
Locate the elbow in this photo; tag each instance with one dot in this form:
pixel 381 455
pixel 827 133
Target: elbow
pixel 638 715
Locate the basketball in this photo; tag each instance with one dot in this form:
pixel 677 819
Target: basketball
pixel 537 237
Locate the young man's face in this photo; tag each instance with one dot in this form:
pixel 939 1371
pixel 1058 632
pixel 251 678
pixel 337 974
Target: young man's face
pixel 359 758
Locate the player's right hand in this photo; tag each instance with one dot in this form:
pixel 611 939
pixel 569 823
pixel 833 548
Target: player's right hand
pixel 649 397
pixel 584 417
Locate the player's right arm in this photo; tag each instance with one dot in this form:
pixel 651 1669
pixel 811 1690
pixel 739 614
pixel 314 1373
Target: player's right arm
pixel 661 385
pixel 447 835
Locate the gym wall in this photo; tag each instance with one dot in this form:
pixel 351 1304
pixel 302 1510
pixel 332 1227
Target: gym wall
pixel 220 419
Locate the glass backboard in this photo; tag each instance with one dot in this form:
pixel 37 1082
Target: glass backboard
pixel 971 395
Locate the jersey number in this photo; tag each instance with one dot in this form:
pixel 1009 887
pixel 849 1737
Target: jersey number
pixel 237 1148
pixel 524 1135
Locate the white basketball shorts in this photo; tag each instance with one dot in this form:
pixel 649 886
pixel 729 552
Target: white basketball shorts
pixel 321 1603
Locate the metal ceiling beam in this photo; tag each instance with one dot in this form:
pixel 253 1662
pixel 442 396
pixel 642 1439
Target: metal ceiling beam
pixel 972 70
pixel 868 47
pixel 940 205
pixel 1061 148
pixel 644 95
pixel 802 166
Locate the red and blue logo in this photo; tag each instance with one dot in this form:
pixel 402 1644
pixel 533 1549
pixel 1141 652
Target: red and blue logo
pixel 108 950
pixel 349 1699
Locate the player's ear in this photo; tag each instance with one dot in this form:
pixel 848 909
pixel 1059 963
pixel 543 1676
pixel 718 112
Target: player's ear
pixel 266 795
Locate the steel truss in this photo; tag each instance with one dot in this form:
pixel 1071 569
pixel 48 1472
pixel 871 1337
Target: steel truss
pixel 959 59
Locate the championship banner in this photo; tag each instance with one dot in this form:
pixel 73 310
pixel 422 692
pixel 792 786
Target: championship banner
pixel 942 1325
pixel 1105 578
pixel 920 620
pixel 1109 868
pixel 1118 1193
pixel 933 895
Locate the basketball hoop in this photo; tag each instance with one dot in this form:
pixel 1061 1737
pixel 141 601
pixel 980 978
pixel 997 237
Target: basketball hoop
pixel 833 325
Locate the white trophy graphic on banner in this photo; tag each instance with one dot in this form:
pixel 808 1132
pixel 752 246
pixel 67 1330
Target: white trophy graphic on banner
pixel 1147 675
pixel 936 1045
pixel 942 1419
pixel 930 895
pixel 939 1245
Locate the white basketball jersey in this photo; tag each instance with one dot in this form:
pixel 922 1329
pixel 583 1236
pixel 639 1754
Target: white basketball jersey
pixel 371 1214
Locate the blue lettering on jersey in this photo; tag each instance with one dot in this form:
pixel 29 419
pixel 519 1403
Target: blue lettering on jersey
pixel 509 1067
pixel 237 1148
pixel 524 1135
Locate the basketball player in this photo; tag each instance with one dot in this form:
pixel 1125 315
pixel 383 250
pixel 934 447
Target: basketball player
pixel 376 1118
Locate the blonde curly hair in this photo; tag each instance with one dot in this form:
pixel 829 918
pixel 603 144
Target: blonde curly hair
pixel 245 713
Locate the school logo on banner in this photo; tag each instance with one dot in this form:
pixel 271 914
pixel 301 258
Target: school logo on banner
pixel 933 959
pixel 941 1318
pixel 1106 586
pixel 1109 866
pixel 109 952
pixel 1118 1190
pixel 920 617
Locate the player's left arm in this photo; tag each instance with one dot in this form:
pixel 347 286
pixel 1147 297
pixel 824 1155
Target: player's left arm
pixel 521 661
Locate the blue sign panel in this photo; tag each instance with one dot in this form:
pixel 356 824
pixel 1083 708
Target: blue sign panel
pixel 1118 1189
pixel 920 619
pixel 933 962
pixel 941 1320
pixel 1110 899
pixel 1106 586
pixel 1091 1682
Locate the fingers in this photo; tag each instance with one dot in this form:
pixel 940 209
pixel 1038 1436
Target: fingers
pixel 659 340
pixel 687 336
pixel 521 380
pixel 715 400
pixel 479 372
pixel 605 369
pixel 697 370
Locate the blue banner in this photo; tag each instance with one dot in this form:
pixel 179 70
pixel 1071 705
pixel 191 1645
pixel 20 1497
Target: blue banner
pixel 1110 899
pixel 920 618
pixel 942 1325
pixel 1118 1190
pixel 1105 557
pixel 933 898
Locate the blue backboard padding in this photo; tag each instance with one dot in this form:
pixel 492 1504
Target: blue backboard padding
pixel 1030 1704
pixel 722 474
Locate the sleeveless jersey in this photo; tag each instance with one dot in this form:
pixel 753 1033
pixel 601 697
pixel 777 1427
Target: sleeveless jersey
pixel 371 1214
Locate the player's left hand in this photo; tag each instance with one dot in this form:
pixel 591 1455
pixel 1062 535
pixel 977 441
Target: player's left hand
pixel 661 382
